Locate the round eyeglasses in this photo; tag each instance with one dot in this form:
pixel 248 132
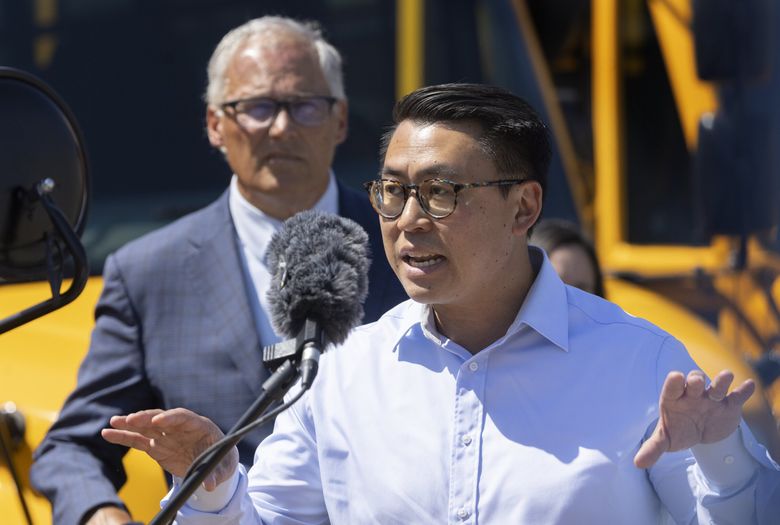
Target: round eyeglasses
pixel 437 197
pixel 262 111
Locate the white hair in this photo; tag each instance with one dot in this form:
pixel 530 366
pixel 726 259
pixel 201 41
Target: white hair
pixel 270 27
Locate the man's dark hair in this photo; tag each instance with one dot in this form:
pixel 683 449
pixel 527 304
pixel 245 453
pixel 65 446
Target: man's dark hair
pixel 514 135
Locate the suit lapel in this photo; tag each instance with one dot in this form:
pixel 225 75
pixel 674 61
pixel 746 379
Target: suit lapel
pixel 218 276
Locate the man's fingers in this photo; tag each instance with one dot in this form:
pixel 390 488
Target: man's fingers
pixel 651 450
pixel 720 386
pixel 127 439
pixel 143 418
pixel 741 394
pixel 210 483
pixel 694 384
pixel 128 424
pixel 176 417
pixel 138 422
pixel 118 422
pixel 674 386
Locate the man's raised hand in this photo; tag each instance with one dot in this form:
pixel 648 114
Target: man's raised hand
pixel 173 438
pixel 690 413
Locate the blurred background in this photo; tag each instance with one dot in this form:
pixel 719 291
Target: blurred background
pixel 134 72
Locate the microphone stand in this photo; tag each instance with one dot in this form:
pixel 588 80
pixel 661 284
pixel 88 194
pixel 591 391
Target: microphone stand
pixel 274 389
pixel 287 355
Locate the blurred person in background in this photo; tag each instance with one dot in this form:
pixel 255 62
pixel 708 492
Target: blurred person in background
pixel 571 253
pixel 183 315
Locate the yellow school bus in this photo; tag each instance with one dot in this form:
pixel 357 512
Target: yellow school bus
pixel 682 207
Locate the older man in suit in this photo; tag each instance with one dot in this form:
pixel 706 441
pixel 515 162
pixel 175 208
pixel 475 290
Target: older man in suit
pixel 182 318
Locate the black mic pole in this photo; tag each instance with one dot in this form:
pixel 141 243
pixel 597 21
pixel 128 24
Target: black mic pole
pixel 274 389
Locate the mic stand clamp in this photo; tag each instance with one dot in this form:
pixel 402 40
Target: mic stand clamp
pixel 305 350
pixel 310 335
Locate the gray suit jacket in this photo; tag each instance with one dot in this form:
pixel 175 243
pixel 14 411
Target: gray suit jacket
pixel 173 329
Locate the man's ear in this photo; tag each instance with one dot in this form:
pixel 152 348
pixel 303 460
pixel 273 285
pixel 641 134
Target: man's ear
pixel 214 126
pixel 342 120
pixel 528 197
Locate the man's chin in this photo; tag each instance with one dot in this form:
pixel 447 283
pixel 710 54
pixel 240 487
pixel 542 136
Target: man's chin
pixel 279 181
pixel 419 294
pixel 283 164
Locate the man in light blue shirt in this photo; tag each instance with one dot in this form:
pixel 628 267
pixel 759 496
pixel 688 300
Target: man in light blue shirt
pixel 497 394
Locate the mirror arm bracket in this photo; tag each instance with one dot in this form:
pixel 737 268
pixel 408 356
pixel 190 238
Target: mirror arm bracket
pixel 74 247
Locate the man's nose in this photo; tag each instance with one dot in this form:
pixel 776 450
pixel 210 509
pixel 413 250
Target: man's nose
pixel 412 215
pixel 281 122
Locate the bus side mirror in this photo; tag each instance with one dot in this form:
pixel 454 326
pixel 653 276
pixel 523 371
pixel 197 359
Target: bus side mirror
pixel 44 190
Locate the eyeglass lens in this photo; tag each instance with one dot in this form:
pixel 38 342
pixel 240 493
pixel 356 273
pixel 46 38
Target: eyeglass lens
pixel 305 111
pixel 437 197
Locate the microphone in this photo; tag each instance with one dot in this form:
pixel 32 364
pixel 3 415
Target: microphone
pixel 320 280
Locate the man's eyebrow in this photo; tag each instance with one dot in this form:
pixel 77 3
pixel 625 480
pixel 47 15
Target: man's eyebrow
pixel 271 96
pixel 438 170
pixel 390 171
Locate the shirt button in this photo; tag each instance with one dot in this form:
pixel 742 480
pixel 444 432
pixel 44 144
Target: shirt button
pixel 728 460
pixel 467 440
pixel 463 513
pixel 473 366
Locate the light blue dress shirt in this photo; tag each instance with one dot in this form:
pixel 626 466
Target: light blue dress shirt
pixel 405 426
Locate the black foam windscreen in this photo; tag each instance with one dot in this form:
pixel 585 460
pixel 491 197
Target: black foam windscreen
pixel 319 263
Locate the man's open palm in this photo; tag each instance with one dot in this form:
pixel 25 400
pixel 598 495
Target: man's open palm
pixel 690 413
pixel 173 438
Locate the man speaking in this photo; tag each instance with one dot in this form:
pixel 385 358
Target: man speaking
pixel 497 394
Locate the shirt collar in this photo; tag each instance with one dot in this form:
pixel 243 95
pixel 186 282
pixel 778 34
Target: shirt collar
pixel 545 309
pixel 255 228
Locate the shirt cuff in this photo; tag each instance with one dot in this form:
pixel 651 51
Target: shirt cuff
pixel 204 501
pixel 726 464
